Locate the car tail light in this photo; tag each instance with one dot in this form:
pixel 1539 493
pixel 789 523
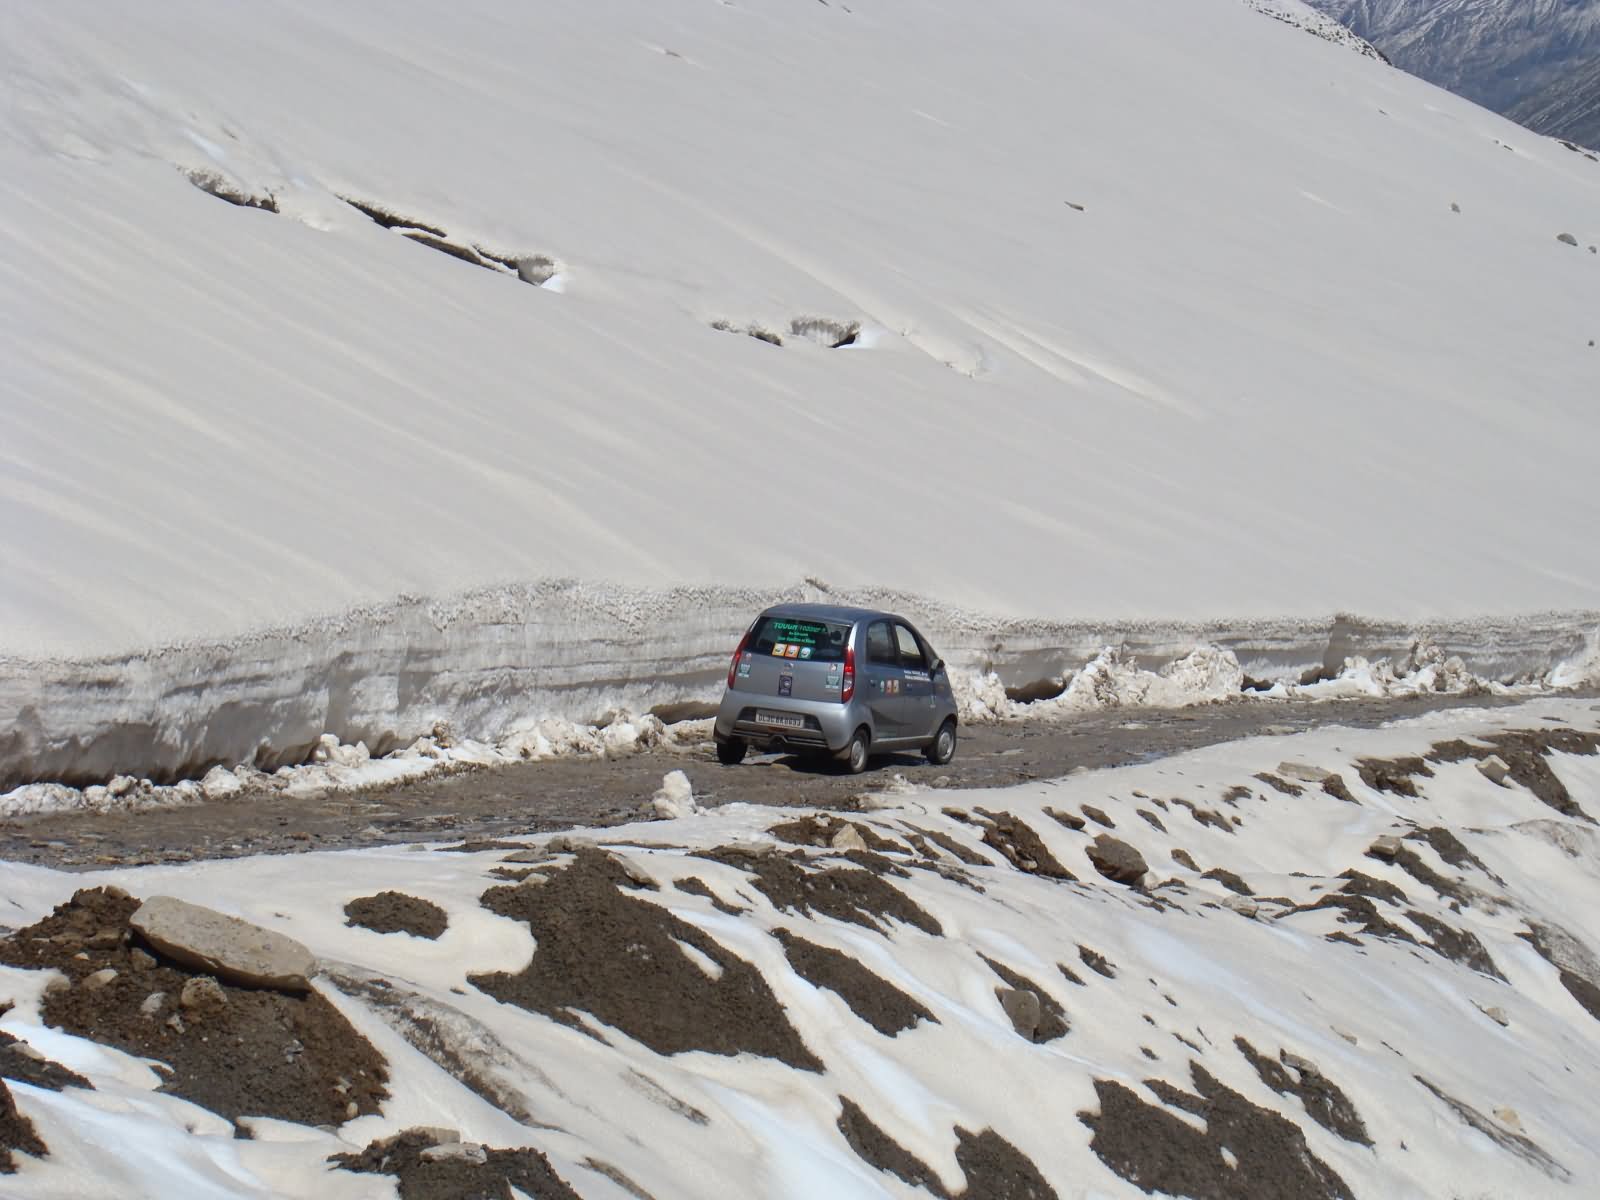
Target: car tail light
pixel 848 687
pixel 733 667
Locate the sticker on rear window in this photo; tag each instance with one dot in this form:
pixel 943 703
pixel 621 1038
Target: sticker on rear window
pixel 802 638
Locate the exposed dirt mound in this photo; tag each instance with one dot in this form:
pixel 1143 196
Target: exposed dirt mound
pixel 429 1170
pixel 1522 1146
pixel 17 1134
pixel 1414 865
pixel 1052 1022
pixel 1525 752
pixel 1325 1101
pixel 1458 945
pixel 236 1051
pixel 20 1062
pixel 396 912
pixel 1450 848
pixel 954 847
pixel 1393 775
pixel 1228 880
pixel 1335 786
pixel 994 1168
pixel 844 893
pixel 623 960
pixel 1279 784
pixel 1022 847
pixel 877 1002
pixel 824 831
pixel 1158 1151
pixel 1096 962
pixel 1360 911
pixel 1071 821
pixel 1360 884
pixel 1205 816
pixel 1555 947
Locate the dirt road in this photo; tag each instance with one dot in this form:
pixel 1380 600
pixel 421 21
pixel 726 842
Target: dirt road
pixel 563 793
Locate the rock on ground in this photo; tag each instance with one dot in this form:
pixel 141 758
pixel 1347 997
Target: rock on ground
pixel 217 944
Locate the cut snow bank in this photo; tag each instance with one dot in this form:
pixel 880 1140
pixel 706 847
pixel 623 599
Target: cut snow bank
pixel 367 719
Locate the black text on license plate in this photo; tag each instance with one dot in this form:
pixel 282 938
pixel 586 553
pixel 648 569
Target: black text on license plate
pixel 787 720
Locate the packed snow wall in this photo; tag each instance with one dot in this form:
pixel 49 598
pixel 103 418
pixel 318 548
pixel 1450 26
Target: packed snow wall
pixel 490 661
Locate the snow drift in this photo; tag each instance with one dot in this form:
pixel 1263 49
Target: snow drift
pixel 1131 320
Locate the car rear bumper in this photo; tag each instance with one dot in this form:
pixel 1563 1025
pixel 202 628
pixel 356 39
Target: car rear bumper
pixel 822 724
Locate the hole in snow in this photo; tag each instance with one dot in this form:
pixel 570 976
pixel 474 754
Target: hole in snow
pixel 833 334
pixel 538 269
pixel 213 184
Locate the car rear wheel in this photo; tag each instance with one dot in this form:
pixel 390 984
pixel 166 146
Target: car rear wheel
pixel 856 752
pixel 730 751
pixel 943 747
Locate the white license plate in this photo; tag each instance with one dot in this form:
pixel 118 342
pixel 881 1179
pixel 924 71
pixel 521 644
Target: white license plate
pixel 786 720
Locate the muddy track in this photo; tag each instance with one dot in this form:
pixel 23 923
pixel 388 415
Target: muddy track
pixel 564 793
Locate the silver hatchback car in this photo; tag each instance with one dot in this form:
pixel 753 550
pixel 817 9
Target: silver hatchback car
pixel 843 681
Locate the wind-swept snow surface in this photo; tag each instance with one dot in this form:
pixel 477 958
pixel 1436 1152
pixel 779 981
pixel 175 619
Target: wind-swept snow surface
pixel 1344 964
pixel 1134 316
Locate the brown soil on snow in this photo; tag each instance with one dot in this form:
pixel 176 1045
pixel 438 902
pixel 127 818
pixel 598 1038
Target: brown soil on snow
pixel 844 893
pixel 254 1053
pixel 619 958
pixel 457 1174
pixel 1156 1150
pixel 1053 1021
pixel 1325 1101
pixel 877 1002
pixel 994 1168
pixel 17 1134
pixel 396 912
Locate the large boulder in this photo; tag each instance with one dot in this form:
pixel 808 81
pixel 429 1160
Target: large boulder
pixel 1117 861
pixel 214 943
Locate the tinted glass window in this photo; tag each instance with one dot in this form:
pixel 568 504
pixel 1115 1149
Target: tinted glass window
pixel 880 645
pixel 800 639
pixel 910 653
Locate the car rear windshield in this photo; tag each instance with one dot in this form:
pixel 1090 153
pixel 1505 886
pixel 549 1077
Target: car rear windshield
pixel 800 638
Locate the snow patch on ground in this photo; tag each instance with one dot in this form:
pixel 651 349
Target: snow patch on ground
pixel 1150 984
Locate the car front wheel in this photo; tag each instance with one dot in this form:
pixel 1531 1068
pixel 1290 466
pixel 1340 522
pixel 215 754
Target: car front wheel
pixel 943 747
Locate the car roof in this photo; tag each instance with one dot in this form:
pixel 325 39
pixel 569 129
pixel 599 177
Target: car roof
pixel 829 612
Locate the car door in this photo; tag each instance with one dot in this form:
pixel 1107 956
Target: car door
pixel 916 710
pixel 882 680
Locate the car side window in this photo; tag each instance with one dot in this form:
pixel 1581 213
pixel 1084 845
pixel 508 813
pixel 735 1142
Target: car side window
pixel 881 650
pixel 911 657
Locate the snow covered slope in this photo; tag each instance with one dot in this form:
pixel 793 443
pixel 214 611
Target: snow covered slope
pixel 1351 973
pixel 1157 314
pixel 1496 52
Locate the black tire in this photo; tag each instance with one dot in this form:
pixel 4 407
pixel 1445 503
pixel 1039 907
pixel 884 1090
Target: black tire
pixel 730 751
pixel 943 747
pixel 856 752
